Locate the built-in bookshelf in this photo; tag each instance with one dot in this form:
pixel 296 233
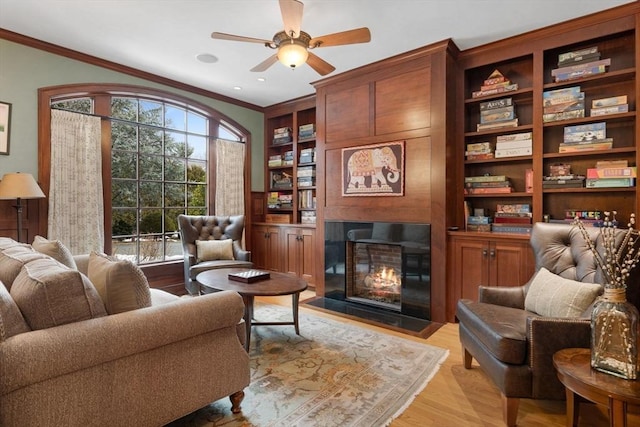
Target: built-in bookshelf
pixel 531 76
pixel 290 152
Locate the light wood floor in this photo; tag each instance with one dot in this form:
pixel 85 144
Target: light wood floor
pixel 459 397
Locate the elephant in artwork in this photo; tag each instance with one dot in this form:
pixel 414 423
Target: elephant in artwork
pixel 372 163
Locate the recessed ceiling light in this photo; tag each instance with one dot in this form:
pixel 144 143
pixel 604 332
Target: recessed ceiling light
pixel 262 79
pixel 207 58
pixel 237 88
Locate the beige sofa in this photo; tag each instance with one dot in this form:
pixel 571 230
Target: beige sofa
pixel 141 367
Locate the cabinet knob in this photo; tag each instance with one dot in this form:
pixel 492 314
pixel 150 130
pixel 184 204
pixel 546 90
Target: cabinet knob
pixel 484 253
pixel 493 253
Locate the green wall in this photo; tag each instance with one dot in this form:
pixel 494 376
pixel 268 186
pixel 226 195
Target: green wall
pixel 23 70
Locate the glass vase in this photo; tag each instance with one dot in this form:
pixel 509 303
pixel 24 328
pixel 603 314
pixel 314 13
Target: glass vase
pixel 614 335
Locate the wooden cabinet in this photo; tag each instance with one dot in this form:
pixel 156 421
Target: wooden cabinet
pixel 486 259
pixel 266 252
pixel 299 256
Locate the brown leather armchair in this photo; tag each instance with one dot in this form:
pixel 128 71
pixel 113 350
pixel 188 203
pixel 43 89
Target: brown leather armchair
pixel 193 228
pixel 515 346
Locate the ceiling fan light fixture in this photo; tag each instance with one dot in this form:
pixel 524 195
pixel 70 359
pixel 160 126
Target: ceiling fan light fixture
pixel 293 53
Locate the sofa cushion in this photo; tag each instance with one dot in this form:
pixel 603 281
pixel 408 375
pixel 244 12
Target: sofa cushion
pixel 55 249
pixel 502 330
pixel 554 296
pixel 212 250
pixel 121 284
pixel 11 320
pixel 7 242
pixel 12 259
pixel 51 294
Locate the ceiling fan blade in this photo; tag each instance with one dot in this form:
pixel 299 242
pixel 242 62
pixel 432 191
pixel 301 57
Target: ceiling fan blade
pixel 265 64
pixel 359 35
pixel 291 16
pixel 225 36
pixel 321 66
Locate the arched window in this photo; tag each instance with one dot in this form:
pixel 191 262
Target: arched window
pixel 158 158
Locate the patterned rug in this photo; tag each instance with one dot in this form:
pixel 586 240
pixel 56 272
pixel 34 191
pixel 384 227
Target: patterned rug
pixel 333 374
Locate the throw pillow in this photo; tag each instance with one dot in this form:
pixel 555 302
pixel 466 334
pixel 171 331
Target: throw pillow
pixel 120 283
pixel 11 320
pixel 50 294
pixel 7 242
pixel 55 249
pixel 211 250
pixel 554 296
pixel 11 261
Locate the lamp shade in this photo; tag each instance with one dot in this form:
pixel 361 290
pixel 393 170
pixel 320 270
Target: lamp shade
pixel 19 186
pixel 293 54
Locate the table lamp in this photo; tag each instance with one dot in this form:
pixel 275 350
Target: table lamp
pixel 19 186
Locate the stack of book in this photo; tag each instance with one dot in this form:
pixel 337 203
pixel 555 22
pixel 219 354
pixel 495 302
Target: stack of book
pixel 612 105
pixel 287 158
pixel 307 155
pixel 487 184
pixel 308 217
pixel 281 179
pixel 512 218
pixel 497 113
pixel 562 104
pixel 513 145
pixel 277 200
pixel 589 137
pixel 306 176
pixel 275 160
pixel 580 63
pixel 496 83
pixel 479 151
pixel 306 132
pixel 479 223
pixel 306 200
pixel 611 174
pixel 282 136
pixel 560 176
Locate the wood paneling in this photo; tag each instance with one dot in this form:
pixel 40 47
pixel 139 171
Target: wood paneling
pixel 403 102
pixel 347 114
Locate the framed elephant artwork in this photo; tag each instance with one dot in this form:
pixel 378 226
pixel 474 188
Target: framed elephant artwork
pixel 373 170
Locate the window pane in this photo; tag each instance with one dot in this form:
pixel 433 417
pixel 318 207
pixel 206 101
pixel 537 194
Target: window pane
pixel 224 133
pixel 171 222
pixel 79 105
pixel 175 117
pixel 197 147
pixel 151 249
pixel 173 195
pixel 150 113
pixel 197 172
pixel 196 195
pixel 173 247
pixel 123 165
pixel 123 193
pixel 196 211
pixel 123 222
pixel 197 123
pixel 150 194
pixel 125 109
pixel 124 137
pixel 174 169
pixel 150 140
pixel 150 221
pixel 174 144
pixel 151 168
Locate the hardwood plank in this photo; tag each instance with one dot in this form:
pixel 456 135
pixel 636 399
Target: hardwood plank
pixel 466 397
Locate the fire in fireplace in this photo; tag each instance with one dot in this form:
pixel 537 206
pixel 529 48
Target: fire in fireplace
pixel 382 265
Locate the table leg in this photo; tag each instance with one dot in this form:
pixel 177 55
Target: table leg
pixel 295 299
pixel 248 315
pixel 573 408
pixel 617 413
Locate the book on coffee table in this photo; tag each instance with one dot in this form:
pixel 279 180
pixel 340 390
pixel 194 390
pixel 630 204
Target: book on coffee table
pixel 249 276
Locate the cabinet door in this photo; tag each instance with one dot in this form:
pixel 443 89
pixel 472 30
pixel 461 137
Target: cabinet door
pixel 266 248
pixel 470 266
pixel 259 246
pixel 510 264
pixel 299 257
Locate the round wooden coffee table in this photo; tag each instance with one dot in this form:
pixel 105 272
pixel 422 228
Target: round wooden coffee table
pixel 278 284
pixel 574 371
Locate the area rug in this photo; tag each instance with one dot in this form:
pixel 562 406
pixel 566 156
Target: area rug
pixel 333 374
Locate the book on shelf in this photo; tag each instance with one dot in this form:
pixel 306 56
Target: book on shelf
pixel 580 70
pixel 489 190
pixel 275 160
pixel 304 171
pixel 485 178
pixel 577 182
pixel 577 104
pixel 584 133
pixel 497 125
pixel 509 88
pixel 498 114
pixel 495 103
pixel 596 145
pixel 612 172
pixel 492 184
pixel 282 131
pixel 617 163
pixel 307 131
pixel 480 156
pixel 528 180
pixel 502 214
pixel 609 102
pixel 513 208
pixel 613 109
pixel 565 115
pixel 561 96
pixel 576 55
pixel 306 199
pixel 281 140
pixel 579 59
pixel 519 143
pixel 307 155
pixel 513 152
pixel 479 219
pixel 511 228
pixel 306 181
pixel 610 182
pixel 308 217
pixel 514 137
pixel 479 227
pixel 511 220
pixel 581 66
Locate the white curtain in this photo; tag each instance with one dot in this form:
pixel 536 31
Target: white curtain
pixel 76 212
pixel 229 178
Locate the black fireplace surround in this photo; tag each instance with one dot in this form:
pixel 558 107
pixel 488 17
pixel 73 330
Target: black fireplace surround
pixel 358 257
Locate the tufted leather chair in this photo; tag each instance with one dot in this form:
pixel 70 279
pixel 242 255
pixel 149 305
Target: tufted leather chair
pixel 194 228
pixel 514 346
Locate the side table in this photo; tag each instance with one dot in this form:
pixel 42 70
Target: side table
pixel 582 382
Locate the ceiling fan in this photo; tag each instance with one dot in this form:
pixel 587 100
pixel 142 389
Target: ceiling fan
pixel 293 44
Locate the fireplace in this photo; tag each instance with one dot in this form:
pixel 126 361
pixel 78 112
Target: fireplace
pixel 379 265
